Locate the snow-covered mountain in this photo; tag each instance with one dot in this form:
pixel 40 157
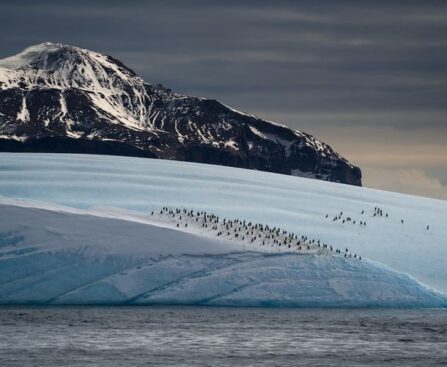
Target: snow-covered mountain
pixel 80 229
pixel 60 98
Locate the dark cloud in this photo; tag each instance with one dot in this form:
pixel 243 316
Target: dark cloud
pixel 335 69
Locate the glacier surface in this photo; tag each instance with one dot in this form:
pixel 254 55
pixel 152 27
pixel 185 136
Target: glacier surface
pixel 56 255
pixel 96 193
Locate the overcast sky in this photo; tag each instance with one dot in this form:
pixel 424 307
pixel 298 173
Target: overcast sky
pixel 369 78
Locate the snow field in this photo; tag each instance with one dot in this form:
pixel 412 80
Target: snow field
pixel 57 255
pixel 295 204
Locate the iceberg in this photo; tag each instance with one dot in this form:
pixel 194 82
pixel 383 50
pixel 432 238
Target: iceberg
pixel 55 255
pixel 78 229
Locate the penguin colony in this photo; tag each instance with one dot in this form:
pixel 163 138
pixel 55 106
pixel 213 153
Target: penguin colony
pixel 247 233
pixel 378 212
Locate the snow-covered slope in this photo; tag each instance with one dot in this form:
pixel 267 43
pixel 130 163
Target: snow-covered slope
pixel 61 67
pixel 295 204
pixel 56 255
pixel 61 98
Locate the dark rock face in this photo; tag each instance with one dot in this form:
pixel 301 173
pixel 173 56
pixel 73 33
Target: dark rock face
pixel 59 98
pixel 77 146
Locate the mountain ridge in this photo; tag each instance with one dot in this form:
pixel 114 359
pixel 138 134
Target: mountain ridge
pixel 58 92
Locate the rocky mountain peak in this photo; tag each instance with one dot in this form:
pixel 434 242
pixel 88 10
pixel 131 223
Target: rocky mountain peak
pixel 56 97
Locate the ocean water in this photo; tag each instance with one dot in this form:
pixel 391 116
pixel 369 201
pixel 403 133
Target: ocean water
pixel 202 336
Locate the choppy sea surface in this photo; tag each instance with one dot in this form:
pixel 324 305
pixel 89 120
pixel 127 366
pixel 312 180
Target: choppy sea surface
pixel 201 336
